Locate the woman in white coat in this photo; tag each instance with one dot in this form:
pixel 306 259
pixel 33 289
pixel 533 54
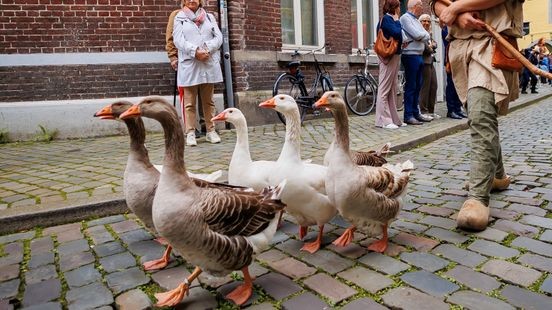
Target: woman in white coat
pixel 198 39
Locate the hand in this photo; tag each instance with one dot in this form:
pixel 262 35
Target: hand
pixel 174 64
pixel 448 15
pixel 470 20
pixel 202 55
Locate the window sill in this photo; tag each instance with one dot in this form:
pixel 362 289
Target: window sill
pixel 360 59
pixel 324 58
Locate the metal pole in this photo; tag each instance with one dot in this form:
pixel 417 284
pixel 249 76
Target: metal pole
pixel 223 11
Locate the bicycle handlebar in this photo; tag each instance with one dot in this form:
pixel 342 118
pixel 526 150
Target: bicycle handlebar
pixel 297 53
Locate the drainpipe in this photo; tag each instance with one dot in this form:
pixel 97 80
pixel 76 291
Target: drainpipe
pixel 223 11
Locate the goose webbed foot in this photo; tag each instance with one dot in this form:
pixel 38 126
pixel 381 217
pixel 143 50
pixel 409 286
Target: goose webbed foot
pixel 381 245
pixel 174 297
pixel 315 245
pixel 159 263
pixel 346 238
pixel 280 219
pixel 243 292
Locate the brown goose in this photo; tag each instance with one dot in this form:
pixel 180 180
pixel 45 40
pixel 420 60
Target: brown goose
pixel 217 230
pixel 141 177
pixel 363 158
pixel 368 197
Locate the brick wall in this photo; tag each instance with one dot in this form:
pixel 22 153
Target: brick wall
pixel 68 26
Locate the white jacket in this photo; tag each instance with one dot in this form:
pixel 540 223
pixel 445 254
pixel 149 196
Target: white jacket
pixel 187 38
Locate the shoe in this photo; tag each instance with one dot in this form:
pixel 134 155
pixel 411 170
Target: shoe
pixel 428 115
pixel 524 92
pixel 191 139
pixel 413 121
pixel 473 215
pixel 454 115
pixel 212 137
pixel 403 124
pixel 534 92
pixel 462 114
pixel 423 118
pixel 501 184
pixel 391 126
pixel 435 115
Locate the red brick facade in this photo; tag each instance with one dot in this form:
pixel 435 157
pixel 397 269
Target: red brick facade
pixel 100 26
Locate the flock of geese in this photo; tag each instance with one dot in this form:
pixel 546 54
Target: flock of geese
pixel 220 227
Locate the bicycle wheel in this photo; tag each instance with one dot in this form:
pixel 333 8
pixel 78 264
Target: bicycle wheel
pixel 360 95
pixel 400 90
pixel 289 85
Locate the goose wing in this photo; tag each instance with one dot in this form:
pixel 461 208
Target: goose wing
pixel 239 213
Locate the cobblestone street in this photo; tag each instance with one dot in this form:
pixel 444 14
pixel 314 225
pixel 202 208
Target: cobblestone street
pixel 95 264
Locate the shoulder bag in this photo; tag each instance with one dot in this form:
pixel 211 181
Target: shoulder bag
pixel 385 48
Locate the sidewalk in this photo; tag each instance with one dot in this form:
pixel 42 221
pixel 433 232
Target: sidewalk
pixel 68 180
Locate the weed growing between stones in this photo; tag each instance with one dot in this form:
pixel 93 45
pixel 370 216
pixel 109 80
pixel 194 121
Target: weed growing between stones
pixel 4 136
pixel 64 285
pixel 23 267
pixel 535 287
pixel 45 135
pixel 496 294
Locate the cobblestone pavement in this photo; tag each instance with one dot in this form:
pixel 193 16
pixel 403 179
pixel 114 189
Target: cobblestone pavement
pixel 39 176
pixel 429 265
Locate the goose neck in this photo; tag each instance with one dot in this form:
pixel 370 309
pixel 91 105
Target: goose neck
pixel 292 144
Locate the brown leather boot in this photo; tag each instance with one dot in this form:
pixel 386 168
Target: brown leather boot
pixel 501 184
pixel 473 215
pixel 498 184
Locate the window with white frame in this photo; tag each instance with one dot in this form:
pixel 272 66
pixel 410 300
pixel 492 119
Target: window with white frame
pixel 363 15
pixel 302 23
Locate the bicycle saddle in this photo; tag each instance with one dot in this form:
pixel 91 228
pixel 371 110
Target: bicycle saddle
pixel 293 63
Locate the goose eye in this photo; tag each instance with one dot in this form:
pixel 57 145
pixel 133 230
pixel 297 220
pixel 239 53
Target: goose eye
pixel 230 111
pixel 282 98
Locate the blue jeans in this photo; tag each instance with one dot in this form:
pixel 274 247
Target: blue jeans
pixel 454 105
pixel 413 69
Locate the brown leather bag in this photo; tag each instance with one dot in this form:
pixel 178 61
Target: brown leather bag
pixel 503 59
pixel 385 48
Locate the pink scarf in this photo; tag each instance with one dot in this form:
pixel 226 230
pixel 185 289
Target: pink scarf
pixel 198 17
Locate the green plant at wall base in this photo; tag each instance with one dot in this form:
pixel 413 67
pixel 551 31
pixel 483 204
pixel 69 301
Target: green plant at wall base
pixel 45 135
pixel 4 136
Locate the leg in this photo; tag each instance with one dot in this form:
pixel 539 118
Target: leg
pixel 243 292
pixel 174 297
pixel 182 107
pixel 315 245
pixel 208 105
pixel 190 96
pixel 303 230
pixel 159 263
pixel 392 95
pixel 410 85
pixel 386 80
pixel 381 245
pixel 424 90
pixel 346 237
pixel 485 146
pixel 432 90
pixel 419 65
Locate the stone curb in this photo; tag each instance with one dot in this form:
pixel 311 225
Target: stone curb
pixel 14 223
pixel 69 214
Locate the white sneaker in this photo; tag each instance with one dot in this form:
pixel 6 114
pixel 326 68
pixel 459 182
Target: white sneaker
pixel 435 116
pixel 191 139
pixel 404 124
pixel 428 116
pixel 391 126
pixel 212 137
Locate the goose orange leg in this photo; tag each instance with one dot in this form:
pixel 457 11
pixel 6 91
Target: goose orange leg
pixel 243 292
pixel 174 297
pixel 303 232
pixel 161 241
pixel 346 237
pixel 159 263
pixel 314 246
pixel 280 219
pixel 381 245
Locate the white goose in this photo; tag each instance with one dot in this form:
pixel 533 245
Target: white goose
pixel 242 170
pixel 368 197
pixel 216 230
pixel 305 193
pixel 141 177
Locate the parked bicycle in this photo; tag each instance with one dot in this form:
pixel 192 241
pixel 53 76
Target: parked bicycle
pixel 293 83
pixel 362 88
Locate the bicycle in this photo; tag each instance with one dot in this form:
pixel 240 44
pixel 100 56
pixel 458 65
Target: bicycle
pixel 362 88
pixel 293 83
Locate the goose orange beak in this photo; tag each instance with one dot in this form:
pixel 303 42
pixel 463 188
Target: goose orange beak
pixel 269 104
pixel 105 113
pixel 134 111
pixel 219 117
pixel 322 102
